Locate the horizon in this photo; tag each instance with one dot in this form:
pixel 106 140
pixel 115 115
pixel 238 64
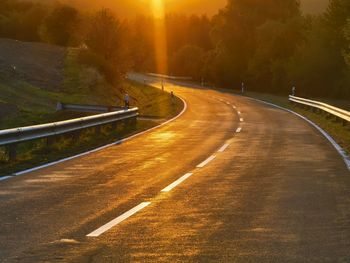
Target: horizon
pixel 127 9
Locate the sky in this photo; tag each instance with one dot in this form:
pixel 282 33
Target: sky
pixel 128 8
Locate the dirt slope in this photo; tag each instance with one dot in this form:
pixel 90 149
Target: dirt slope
pixel 35 63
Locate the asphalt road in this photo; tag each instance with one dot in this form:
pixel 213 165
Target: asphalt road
pixel 231 180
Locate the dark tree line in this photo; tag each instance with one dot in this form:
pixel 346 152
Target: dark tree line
pixel 270 45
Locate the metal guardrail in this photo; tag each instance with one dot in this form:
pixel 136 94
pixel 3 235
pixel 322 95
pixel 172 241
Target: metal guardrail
pixel 86 107
pixel 12 137
pixel 169 77
pixel 316 105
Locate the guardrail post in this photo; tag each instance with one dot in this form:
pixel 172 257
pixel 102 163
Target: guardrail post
pixel 12 152
pixel 98 129
pixel 133 122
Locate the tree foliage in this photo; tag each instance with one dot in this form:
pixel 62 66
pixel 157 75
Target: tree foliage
pixel 60 26
pixel 270 45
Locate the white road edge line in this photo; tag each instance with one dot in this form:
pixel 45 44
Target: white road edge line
pixel 224 147
pixel 118 220
pixel 201 165
pixel 176 183
pixel 239 129
pixel 97 149
pixel 339 149
pixel 5 178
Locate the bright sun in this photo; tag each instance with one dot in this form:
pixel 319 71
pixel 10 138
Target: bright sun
pixel 160 36
pixel 158 8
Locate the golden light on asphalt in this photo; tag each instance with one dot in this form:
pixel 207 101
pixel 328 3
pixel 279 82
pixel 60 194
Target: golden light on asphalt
pixel 160 41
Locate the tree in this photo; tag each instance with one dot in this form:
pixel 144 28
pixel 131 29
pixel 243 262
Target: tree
pixel 188 61
pixel 346 51
pixel 278 42
pixel 104 36
pixel 107 38
pixel 21 20
pixel 236 32
pixel 60 26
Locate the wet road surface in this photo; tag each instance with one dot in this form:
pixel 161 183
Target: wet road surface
pixel 231 180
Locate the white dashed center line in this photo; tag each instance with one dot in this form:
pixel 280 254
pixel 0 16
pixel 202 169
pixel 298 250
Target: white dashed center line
pixel 241 120
pixel 239 129
pixel 118 220
pixel 176 183
pixel 224 147
pixel 201 165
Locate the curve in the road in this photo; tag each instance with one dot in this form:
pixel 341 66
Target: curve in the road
pixel 276 191
pixel 96 149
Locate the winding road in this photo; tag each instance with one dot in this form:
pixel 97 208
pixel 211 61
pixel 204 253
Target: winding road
pixel 230 180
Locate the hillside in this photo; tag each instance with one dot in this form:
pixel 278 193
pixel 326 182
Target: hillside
pixel 35 76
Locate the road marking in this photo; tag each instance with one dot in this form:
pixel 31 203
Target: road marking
pixel 239 129
pixel 228 103
pixel 241 120
pixel 177 182
pixel 340 150
pixel 224 147
pixel 239 113
pixel 234 107
pixel 102 147
pixel 201 165
pixel 118 220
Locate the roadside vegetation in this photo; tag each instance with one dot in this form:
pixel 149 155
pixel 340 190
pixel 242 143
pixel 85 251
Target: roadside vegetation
pixel 84 57
pixel 340 133
pixel 270 51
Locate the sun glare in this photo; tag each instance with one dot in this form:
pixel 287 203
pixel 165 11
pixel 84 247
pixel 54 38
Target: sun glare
pixel 160 42
pixel 158 9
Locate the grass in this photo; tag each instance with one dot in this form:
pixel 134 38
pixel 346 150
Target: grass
pixel 32 105
pixel 340 133
pixel 35 153
pixel 152 102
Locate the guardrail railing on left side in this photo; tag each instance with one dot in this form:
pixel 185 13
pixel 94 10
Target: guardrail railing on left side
pixel 10 138
pixel 87 108
pixel 169 77
pixel 340 114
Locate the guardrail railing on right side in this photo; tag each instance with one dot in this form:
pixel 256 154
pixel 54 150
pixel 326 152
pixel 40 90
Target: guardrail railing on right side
pixel 339 114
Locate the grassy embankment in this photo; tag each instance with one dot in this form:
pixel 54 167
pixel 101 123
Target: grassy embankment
pixel 340 133
pixel 33 105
